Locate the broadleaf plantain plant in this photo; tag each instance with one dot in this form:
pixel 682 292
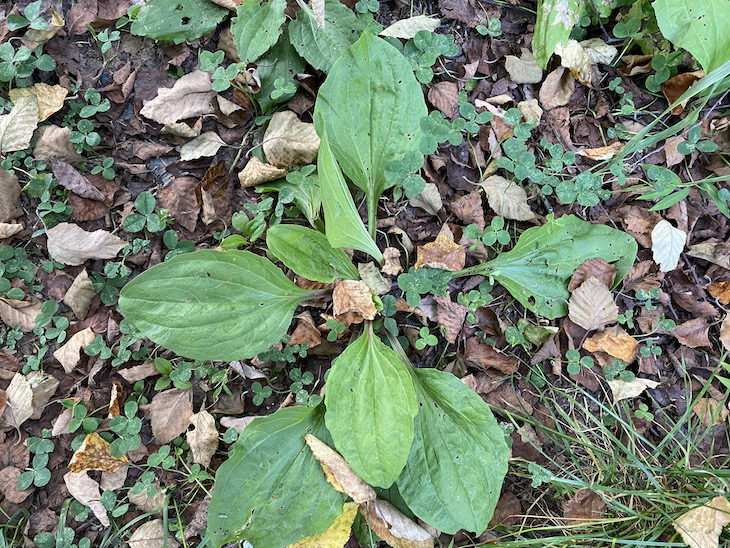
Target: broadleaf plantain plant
pixel 421 431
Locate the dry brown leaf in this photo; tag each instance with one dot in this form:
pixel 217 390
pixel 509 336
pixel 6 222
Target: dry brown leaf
pixel 306 331
pixel 391 266
pixel 152 535
pixel 9 229
pixel 116 400
pixel 9 197
pixel 138 372
pixel 721 291
pixel 42 387
pixel 445 97
pixel 79 295
pixel 622 390
pixel 111 481
pixel 507 198
pixel 725 332
pixel 675 87
pixel 336 535
pixel 95 454
pixel 591 305
pixel 207 144
pixel 667 243
pixel 701 526
pixel 19 406
pixel 585 506
pixel 557 89
pixel 352 302
pixel 70 353
pixel 238 423
pixel 257 172
pixel 428 200
pixel 601 153
pixel 670 150
pixel 597 268
pixel 34 37
pixel 469 209
pixel 715 252
pixel 636 64
pixel 190 96
pixel 693 333
pixel 203 438
pixel 179 197
pixel 3 401
pixel 480 354
pixel 523 70
pixel 450 316
pixel 614 341
pixel 338 472
pixel 710 411
pixel 71 245
pixel 9 485
pixel 289 141
pixel 169 414
pixel 19 312
pixel 393 527
pixel 145 503
pixel 70 178
pixel 86 491
pixel 18 125
pixel 181 129
pixel 442 253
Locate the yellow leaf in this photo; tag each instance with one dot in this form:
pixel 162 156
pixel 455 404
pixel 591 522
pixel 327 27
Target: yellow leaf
pixel 352 302
pixel 18 125
pixel 337 535
pixel 50 98
pixel 614 341
pixel 95 454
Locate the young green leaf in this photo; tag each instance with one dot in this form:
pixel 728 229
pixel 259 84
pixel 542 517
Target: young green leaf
pixel 344 227
pixel 257 27
pixel 305 195
pixel 272 478
pixel 173 21
pixel 371 404
pixel 280 62
pixel 309 254
pixel 458 459
pixel 213 305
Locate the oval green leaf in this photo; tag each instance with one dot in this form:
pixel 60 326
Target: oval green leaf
pixel 272 491
pixel 257 27
pixel 213 305
pixel 458 460
pixel 309 254
pixel 371 404
pixel 176 22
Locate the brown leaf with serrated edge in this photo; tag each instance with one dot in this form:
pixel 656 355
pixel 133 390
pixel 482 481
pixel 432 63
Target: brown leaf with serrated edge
pixel 442 253
pixel 257 172
pixel 116 400
pixel 391 266
pixel 72 179
pixel 203 438
pixel 597 268
pixel 169 414
pixel 693 333
pixel 591 305
pixel 352 302
pixel 190 96
pixel 179 198
pixel 53 142
pixel 721 291
pixel 614 341
pixel 701 526
pixel 86 491
pixel 710 411
pixel 9 197
pixel 338 472
pixel 289 141
pixel 79 295
pixel 393 527
pixel 95 454
pixel 337 534
pixel 585 506
pixel 152 535
pixel 484 356
pixel 69 354
pixel 14 312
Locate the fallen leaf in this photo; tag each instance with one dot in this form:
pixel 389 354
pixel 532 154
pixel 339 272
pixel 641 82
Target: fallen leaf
pixel 675 87
pixel 111 481
pixel 18 125
pixel 53 142
pixel 599 51
pixel 306 331
pixel 693 333
pixel 9 229
pixel 152 535
pixel 206 145
pixel 169 414
pixel 336 535
pixel 557 89
pixel 622 390
pixel 586 506
pixel 715 252
pixel 352 302
pixel 670 150
pixel 721 291
pixel 407 28
pixel 393 527
pixel 180 199
pixel 596 268
pixel 289 141
pixel 667 244
pixel 370 274
pixel 614 341
pixel 70 178
pixel 145 503
pixel 9 485
pixel 710 411
pixel 442 253
pixel 24 313
pixel 450 316
pixel 391 266
pixel 50 98
pixel 86 491
pixel 34 37
pixel 69 354
pixel 71 245
pixel 42 387
pixel 95 454
pixel 445 97
pixel 338 472
pixel 469 209
pixel 725 332
pixel 701 526
pixel 190 96
pixel 429 199
pixel 257 172
pixel 19 403
pixel 575 58
pixel 203 438
pixel 484 356
pixel 530 110
pixel 591 305
pixel 79 295
pixel 507 198
pixel 523 70
pixel 601 153
pixel 238 423
pixel 181 129
pixel 116 400
pixel 10 207
pixel 138 372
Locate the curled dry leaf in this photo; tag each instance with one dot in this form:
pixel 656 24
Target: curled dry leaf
pixel 336 535
pixel 575 58
pixel 710 411
pixel 69 354
pixel 190 96
pixel 9 229
pixel 393 527
pixel 701 526
pixel 693 333
pixel 257 172
pixel 116 400
pixel 391 256
pixel 169 414
pixel 370 274
pixel 557 88
pixel 206 145
pixel 597 268
pixel 53 142
pixel 34 37
pixel 86 491
pixel 591 305
pixel 9 197
pixel 203 438
pixel 289 141
pixel 18 125
pixel 480 354
pixel 675 87
pixel 95 454
pixel 720 291
pixel 667 244
pixel 352 302
pixel 442 253
pixel 19 406
pixel 24 313
pixel 79 295
pixel 614 341
pixel 407 28
pixel 338 472
pixel 622 390
pixel 71 245
pixel 507 198
pixel 601 153
pixel 152 535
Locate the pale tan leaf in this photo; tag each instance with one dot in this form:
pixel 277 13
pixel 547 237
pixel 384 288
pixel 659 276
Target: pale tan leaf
pixel 601 153
pixel 530 110
pixel 227 107
pixel 9 485
pixel 393 527
pixel 670 150
pixel 523 70
pixel 622 390
pixel 591 305
pixel 190 96
pixel 181 129
pixel 71 245
pixel 557 88
pixel 614 341
pixel 203 439
pixel 507 198
pixel 352 302
pixel 9 229
pixel 169 414
pixel 70 353
pixel 428 200
pixel 715 252
pixel 599 51
pixel 407 28
pixel 230 4
pixel 111 481
pixel 79 295
pixel 725 332
pixel 18 125
pixel 86 491
pixel 339 473
pixel 578 61
pixel 370 274
pixel 392 266
pixel 34 37
pixel 19 312
pixel 145 503
pixel 667 244
pixel 138 372
pixel 289 141
pixel 238 423
pixel 205 145
pixel 318 9
pixel 701 526
pixel 442 253
pixel 95 454
pixel 72 179
pixel 152 535
pixel 445 97
pixel 257 172
pixel 50 98
pixel 9 197
pixel 42 387
pixel 20 402
pixel 53 142
pixel 710 411
pixel 336 535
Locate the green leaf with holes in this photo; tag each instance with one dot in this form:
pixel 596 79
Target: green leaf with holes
pixel 257 27
pixel 177 21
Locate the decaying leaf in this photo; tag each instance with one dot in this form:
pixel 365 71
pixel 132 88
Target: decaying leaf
pixel 714 252
pixel 599 51
pixel 622 390
pixel 614 341
pixel 557 88
pixel 428 200
pixel 370 274
pixel 407 28
pixel 523 70
pixel 35 37
pixel 725 332
pixel 69 354
pixel 9 197
pixel 206 145
pixel 42 387
pixel 507 198
pixel 24 313
pixel 190 96
pixel 79 295
pixel 19 406
pixel 442 253
pixel 602 153
pixel 9 485
pixel 138 372
pixel 95 454
pixel 721 291
pixel 71 245
pixel 701 526
pixel 50 98
pixel 667 244
pixel 70 178
pixel 482 355
pixel 693 333
pixel 445 97
pixel 336 535
pixel 203 438
pixel 352 302
pixel 289 141
pixel 675 87
pixel 86 491
pixel 591 305
pixel 530 110
pixel 391 256
pixel 145 503
pixel 152 535
pixel 53 142
pixel 257 172
pixel 18 125
pixel 306 331
pixel 393 527
pixel 597 268
pixel 710 411
pixel 339 473
pixel 585 506
pixel 169 414
pixel 9 229
pixel 575 58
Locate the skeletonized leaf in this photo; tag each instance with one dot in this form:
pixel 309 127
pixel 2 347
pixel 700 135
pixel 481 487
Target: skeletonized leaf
pixel 19 312
pixel 79 295
pixel 622 390
pixel 407 28
pixel 69 354
pixel 86 491
pixel 152 535
pixel 337 535
pixel 72 179
pixel 189 97
pixel 18 125
pixel 203 439
pixel 95 454
pixel 170 413
pixel 393 527
pixel 205 145
pixel 667 244
pixel 71 245
pixel 591 306
pixel 20 402
pixel 507 198
pixel 701 526
pixel 289 141
pixel 9 197
pixel 338 472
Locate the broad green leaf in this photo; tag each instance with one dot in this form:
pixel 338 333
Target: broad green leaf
pixel 344 227
pixel 213 305
pixel 280 62
pixel 257 27
pixel 271 491
pixel 699 26
pixel 537 269
pixel 371 404
pixel 370 106
pixel 175 21
pixel 555 20
pixel 305 195
pixel 322 46
pixel 309 254
pixel 458 459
